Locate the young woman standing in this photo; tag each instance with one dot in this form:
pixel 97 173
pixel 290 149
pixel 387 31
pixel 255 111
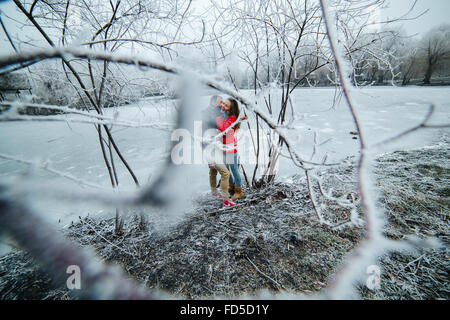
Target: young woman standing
pixel 230 108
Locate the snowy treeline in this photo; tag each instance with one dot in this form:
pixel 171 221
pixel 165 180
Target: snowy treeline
pixel 251 44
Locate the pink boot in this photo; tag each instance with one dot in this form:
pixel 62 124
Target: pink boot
pixel 228 204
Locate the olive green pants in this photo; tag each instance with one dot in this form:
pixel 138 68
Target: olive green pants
pixel 224 176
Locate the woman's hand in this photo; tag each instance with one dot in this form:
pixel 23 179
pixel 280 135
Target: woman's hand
pixel 244 117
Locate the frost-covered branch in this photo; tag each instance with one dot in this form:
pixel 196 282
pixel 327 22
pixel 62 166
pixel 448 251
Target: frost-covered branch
pixel 343 283
pixel 374 243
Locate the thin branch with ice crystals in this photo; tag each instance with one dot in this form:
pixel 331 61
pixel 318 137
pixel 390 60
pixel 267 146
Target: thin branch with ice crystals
pixel 346 275
pixel 373 243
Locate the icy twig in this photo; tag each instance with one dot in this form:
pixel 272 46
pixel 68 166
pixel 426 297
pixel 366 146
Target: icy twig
pixel 279 286
pixel 106 240
pixel 312 198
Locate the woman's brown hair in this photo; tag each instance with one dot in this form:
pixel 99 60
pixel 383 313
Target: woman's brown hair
pixel 235 112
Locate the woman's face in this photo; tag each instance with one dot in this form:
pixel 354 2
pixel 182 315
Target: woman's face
pixel 225 106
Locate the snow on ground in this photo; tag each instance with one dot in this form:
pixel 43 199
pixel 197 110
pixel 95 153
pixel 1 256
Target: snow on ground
pixel 73 147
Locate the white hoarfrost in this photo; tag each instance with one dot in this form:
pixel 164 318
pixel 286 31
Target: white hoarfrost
pixel 373 244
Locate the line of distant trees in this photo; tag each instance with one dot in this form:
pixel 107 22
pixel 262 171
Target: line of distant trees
pixel 394 58
pixel 388 57
pixel 253 46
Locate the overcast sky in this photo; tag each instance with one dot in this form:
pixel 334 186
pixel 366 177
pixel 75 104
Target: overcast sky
pixel 438 13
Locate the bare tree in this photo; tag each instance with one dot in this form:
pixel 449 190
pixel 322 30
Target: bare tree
pixel 410 66
pixel 283 44
pixel 91 23
pixel 435 50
